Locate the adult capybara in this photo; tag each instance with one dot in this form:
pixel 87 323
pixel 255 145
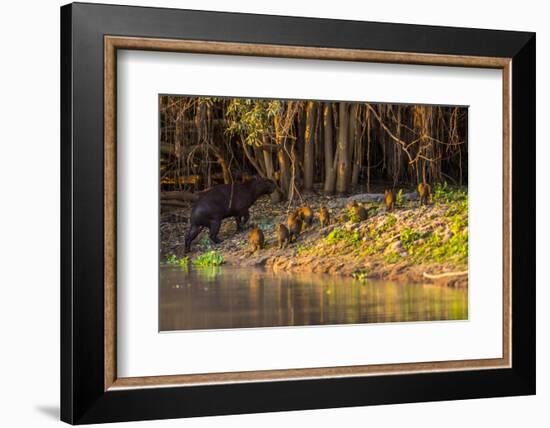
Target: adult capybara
pixel 324 216
pixel 283 235
pixel 294 223
pixel 222 201
pixel 359 213
pixel 389 199
pixel 424 193
pixel 256 238
pixel 306 215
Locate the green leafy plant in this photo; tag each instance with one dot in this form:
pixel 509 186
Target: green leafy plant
pixel 172 259
pixel 205 243
pixel 392 258
pixel 399 197
pixel 443 193
pixel 435 250
pixel 408 238
pixel 360 275
pixel 343 235
pixel 352 215
pixel 210 258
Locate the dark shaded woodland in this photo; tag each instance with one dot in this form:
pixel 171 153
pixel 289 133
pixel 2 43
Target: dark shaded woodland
pixel 304 146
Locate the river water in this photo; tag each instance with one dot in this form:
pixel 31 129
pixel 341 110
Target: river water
pixel 230 297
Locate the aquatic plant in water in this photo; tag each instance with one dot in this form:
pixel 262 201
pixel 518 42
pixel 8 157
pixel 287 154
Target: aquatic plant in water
pixel 210 258
pixel 172 259
pixel 360 275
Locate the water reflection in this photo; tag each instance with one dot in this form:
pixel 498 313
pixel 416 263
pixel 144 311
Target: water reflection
pixel 225 297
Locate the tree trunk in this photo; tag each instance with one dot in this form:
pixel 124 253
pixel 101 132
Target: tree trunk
pixel 330 172
pixel 343 150
pixel 270 172
pixel 358 157
pixel 282 156
pixel 351 132
pixel 368 149
pixel 308 146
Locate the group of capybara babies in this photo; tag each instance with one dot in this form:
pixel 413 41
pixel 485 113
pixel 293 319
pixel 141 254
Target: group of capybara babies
pixel 234 200
pixel 302 218
pixel 297 221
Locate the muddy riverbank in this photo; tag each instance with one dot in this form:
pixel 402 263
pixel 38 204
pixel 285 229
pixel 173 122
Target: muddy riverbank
pixel 412 244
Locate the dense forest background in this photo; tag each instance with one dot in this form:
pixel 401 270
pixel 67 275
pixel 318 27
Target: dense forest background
pixel 304 146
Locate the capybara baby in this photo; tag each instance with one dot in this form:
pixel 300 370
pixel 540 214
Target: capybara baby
pixel 424 193
pixel 306 214
pixel 256 239
pixel 294 224
pixel 283 235
pixel 359 213
pixel 389 199
pixel 351 205
pixel 324 216
pixel 222 201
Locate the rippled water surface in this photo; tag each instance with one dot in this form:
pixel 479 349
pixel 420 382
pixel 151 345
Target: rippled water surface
pixel 227 297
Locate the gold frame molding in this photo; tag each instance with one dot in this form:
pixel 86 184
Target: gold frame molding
pixel 113 43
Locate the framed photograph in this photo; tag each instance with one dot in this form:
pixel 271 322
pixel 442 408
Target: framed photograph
pixel 266 213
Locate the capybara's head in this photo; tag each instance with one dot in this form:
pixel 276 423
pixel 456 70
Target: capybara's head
pixel 263 186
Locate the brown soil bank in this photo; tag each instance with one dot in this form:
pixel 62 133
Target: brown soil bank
pixel 422 244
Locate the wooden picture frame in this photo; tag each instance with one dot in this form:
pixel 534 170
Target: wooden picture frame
pixel 91 390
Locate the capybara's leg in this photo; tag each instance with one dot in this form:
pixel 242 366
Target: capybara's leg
pixel 191 234
pixel 214 229
pixel 239 223
pixel 245 217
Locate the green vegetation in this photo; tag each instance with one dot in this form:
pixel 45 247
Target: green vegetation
pixel 172 259
pixel 437 246
pixel 408 238
pixel 352 215
pixel 443 193
pixel 435 250
pixel 205 243
pixel 376 232
pixel 399 198
pixel 302 249
pixel 392 258
pixel 343 235
pixel 360 275
pixel 210 258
